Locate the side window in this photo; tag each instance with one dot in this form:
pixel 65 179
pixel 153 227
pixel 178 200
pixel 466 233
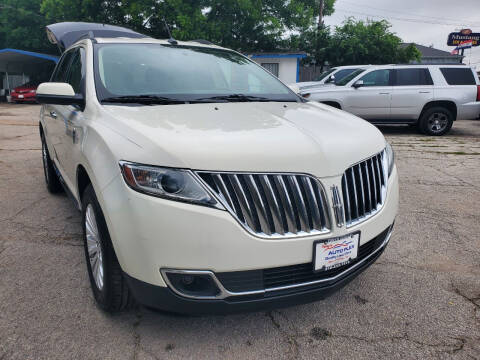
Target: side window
pixel 62 67
pixel 76 71
pixel 409 77
pixel 339 75
pixel 458 76
pixel 376 78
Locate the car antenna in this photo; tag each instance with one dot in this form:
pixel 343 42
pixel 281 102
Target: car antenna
pixel 171 40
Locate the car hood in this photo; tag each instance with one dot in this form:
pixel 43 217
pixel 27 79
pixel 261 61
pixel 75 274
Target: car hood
pixel 255 136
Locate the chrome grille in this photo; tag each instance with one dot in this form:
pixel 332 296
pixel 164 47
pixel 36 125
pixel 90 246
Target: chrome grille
pixel 272 205
pixel 364 187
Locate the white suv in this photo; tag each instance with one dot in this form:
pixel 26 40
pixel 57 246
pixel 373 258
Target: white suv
pixel 206 185
pixel 430 96
pixel 329 77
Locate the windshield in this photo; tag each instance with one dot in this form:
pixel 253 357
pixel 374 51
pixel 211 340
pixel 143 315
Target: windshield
pixel 348 78
pixel 324 74
pixel 125 72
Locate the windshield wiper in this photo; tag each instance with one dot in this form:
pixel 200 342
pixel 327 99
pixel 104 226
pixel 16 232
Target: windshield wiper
pixel 143 99
pixel 235 98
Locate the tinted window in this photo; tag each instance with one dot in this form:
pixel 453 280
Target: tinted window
pixel 458 76
pixel 407 77
pixel 342 73
pixel 376 78
pixel 75 72
pixel 324 75
pixel 61 71
pixel 348 78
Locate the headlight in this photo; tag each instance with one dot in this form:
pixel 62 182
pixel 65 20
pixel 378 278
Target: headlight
pixel 173 184
pixel 390 158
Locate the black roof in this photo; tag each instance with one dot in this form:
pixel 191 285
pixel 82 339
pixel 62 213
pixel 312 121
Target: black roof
pixel 66 34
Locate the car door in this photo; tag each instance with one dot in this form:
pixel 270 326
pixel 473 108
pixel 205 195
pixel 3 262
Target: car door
pixel 55 126
pixel 371 101
pixel 73 117
pixel 412 89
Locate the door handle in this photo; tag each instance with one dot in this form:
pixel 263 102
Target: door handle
pixel 424 92
pixel 384 93
pixel 53 114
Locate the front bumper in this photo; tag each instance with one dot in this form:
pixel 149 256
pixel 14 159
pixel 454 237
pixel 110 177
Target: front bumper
pixel 162 298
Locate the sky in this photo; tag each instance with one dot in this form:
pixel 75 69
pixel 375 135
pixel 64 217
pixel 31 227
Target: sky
pixel 425 22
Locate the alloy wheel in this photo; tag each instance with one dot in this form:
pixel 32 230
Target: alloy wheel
pixel 94 247
pixel 437 122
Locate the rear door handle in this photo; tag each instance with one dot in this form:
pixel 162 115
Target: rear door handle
pixel 384 93
pixel 424 92
pixel 53 114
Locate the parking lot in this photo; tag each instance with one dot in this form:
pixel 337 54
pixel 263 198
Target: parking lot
pixel 420 300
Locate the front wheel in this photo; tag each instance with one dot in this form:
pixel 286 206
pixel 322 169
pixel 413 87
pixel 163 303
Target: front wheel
pixel 436 121
pixel 109 287
pixel 51 177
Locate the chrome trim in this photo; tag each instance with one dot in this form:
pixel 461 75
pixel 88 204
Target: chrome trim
pixel 224 293
pixel 337 205
pixel 378 163
pixel 281 205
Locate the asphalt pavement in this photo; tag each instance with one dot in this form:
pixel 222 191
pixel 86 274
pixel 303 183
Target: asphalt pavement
pixel 420 300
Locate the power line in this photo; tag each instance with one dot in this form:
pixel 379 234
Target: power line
pixel 403 12
pixel 400 18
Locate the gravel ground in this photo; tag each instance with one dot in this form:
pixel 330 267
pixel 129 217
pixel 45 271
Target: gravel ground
pixel 421 300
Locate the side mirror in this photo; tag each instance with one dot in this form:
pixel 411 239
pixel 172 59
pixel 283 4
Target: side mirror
pixel 330 79
pixel 58 94
pixel 357 84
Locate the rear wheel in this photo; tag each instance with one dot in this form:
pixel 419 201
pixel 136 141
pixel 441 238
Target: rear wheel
pixel 109 287
pixel 436 121
pixel 51 177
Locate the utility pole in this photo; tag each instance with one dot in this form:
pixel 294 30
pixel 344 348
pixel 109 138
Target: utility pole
pixel 320 14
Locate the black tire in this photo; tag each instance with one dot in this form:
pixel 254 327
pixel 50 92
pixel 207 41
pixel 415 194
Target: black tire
pixel 114 294
pixel 436 121
pixel 51 177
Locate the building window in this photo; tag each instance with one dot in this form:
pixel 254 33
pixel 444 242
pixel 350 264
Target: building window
pixel 272 67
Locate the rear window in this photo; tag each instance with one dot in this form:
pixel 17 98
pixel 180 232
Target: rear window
pixel 407 77
pixel 457 76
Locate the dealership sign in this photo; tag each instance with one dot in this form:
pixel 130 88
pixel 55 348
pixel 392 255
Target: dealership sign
pixel 463 36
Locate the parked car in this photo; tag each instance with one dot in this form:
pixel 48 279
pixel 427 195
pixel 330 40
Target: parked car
pixel 205 184
pixel 329 77
pixel 429 96
pixel 25 92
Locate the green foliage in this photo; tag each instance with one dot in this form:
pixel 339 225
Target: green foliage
pixel 22 26
pixel 367 42
pixel 244 25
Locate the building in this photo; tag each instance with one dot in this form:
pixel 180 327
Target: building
pixel 18 67
pixel 284 65
pixel 431 55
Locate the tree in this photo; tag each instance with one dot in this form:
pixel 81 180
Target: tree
pixel 368 42
pixel 22 26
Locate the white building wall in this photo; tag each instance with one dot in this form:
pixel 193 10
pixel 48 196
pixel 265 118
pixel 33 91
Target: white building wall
pixel 287 67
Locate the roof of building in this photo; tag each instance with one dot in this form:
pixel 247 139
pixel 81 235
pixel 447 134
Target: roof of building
pixel 430 52
pixel 23 55
pixel 279 54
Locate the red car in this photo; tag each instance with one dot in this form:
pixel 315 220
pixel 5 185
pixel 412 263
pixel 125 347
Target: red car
pixel 25 92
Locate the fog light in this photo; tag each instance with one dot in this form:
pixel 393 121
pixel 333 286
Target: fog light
pixel 195 285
